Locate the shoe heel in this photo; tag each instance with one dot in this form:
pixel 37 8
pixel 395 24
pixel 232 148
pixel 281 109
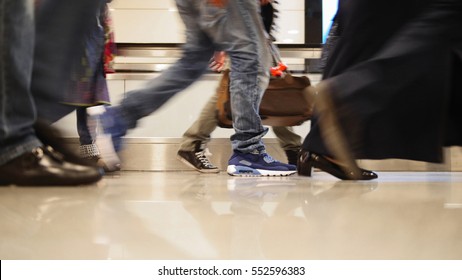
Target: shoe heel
pixel 305 166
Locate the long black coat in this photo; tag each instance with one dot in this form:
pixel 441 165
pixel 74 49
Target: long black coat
pixel 395 79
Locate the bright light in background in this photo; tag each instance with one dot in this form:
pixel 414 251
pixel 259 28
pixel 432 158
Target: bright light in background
pixel 293 31
pixel 329 8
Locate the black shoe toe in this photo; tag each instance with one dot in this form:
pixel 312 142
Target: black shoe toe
pixel 307 160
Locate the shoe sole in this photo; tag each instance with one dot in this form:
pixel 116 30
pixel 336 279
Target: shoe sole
pixel 244 171
pixel 195 168
pixel 331 132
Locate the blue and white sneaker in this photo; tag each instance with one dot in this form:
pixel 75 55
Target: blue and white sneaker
pixel 250 164
pixel 109 131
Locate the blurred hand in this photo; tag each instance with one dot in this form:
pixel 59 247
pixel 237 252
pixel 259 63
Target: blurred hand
pixel 217 62
pixel 264 2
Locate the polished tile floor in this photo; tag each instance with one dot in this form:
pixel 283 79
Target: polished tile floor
pixel 187 215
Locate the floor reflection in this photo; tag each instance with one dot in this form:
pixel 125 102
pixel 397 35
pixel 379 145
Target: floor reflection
pixel 187 215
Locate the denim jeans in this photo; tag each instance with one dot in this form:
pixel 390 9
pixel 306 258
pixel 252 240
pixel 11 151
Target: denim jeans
pixel 206 123
pixel 34 63
pixel 17 110
pixel 85 135
pixel 237 29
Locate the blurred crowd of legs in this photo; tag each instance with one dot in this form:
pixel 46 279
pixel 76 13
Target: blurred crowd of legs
pixel 390 89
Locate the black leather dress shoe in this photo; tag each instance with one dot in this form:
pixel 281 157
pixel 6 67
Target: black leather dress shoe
pixel 45 167
pixel 50 136
pixel 308 160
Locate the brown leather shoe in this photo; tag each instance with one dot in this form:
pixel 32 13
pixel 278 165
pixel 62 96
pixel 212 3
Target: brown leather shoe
pixel 45 167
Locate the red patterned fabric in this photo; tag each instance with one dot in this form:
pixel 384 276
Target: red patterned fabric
pixel 110 49
pixel 88 84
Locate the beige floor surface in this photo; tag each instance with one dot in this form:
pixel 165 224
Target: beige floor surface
pixel 190 216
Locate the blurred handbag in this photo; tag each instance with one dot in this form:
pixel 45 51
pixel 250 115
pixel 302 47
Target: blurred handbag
pixel 283 103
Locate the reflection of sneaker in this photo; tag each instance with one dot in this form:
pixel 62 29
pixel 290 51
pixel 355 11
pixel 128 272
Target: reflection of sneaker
pixel 109 129
pixel 249 164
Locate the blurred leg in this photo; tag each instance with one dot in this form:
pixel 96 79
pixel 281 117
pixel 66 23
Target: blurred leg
pixel 287 138
pixel 60 29
pixel 201 129
pixel 17 109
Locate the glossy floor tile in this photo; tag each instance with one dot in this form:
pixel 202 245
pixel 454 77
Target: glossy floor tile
pixel 187 215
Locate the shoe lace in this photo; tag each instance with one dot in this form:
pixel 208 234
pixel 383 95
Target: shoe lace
pixel 203 158
pixel 268 159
